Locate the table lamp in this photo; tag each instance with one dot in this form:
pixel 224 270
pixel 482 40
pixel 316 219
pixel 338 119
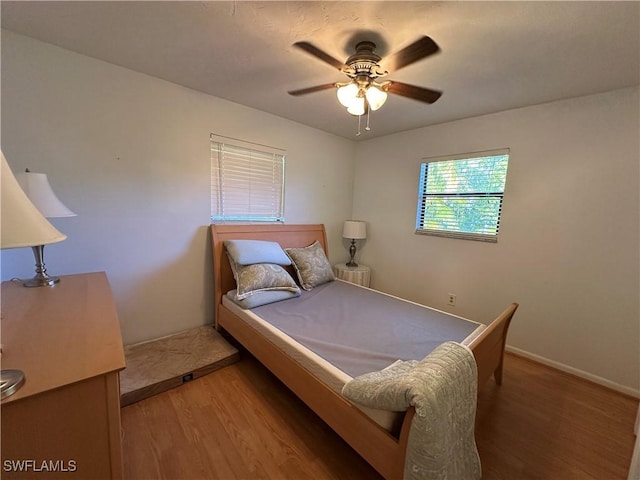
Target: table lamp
pixel 355 230
pixel 36 187
pixel 22 225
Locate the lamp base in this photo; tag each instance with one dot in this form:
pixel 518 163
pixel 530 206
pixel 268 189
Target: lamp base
pixel 41 281
pixel 10 382
pixel 352 254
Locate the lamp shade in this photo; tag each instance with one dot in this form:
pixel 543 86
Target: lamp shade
pixel 357 107
pixel 37 188
pixel 354 229
pixel 22 224
pixel 347 94
pixel 376 97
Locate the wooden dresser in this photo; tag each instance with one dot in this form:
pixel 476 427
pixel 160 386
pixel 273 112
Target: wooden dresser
pixel 65 420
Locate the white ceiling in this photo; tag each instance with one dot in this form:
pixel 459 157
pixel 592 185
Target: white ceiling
pixel 494 55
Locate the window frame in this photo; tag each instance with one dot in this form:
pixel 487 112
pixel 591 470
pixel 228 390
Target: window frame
pixel 423 196
pixel 265 199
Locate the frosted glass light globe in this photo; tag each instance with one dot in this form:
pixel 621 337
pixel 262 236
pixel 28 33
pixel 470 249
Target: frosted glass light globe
pixel 376 97
pixel 347 94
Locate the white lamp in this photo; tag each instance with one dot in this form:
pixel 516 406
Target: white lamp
pixel 23 224
pixel 37 188
pixel 355 230
pixel 376 97
pixel 357 107
pixel 347 94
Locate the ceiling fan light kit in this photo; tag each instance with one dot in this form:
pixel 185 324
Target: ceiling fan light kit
pixel 362 93
pixel 353 96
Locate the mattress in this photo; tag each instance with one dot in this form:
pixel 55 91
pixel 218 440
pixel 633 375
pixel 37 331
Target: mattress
pixel 335 353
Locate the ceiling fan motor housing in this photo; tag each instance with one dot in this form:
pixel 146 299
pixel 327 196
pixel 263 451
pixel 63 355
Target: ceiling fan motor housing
pixel 364 63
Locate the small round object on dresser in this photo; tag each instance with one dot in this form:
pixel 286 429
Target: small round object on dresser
pixel 11 380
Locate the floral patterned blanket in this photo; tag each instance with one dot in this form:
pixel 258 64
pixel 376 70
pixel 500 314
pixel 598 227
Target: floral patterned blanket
pixel 443 389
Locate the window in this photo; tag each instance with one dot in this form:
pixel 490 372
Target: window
pixel 461 196
pixel 247 181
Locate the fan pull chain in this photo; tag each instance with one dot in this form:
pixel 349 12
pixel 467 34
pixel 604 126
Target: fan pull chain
pixel 359 132
pixel 368 128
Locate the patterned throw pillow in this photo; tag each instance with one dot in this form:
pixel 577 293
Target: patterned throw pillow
pixel 311 265
pixel 263 297
pixel 260 277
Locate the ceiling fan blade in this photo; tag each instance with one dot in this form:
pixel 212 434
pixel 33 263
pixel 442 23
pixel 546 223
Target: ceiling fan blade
pixel 317 88
pixel 316 52
pixel 418 50
pixel 411 91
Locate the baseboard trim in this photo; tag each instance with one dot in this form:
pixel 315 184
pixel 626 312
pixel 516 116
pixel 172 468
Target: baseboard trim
pixel 574 371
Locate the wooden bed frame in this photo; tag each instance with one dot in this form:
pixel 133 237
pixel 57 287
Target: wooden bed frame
pixel 382 450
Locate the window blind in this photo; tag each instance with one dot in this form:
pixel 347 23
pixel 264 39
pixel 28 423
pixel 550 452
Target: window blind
pixel 247 181
pixel 462 196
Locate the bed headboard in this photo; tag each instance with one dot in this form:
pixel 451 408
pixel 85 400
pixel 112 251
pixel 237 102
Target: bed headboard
pixel 286 235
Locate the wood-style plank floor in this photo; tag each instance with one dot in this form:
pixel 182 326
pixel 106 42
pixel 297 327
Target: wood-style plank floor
pixel 240 422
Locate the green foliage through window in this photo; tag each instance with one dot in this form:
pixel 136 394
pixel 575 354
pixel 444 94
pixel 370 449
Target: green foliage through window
pixel 462 196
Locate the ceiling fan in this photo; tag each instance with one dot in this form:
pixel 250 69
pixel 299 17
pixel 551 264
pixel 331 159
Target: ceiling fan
pixel 363 92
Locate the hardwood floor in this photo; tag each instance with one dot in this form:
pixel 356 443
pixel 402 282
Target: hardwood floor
pixel 240 422
pixel 545 424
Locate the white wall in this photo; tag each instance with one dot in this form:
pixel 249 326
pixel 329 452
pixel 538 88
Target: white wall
pixel 568 248
pixel 130 155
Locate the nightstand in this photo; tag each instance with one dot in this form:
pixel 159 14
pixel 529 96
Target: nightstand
pixel 360 275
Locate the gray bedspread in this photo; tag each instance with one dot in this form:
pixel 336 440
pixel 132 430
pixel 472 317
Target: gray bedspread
pixel 360 330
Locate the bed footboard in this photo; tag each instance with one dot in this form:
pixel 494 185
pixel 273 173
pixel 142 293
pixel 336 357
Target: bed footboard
pixel 488 351
pixel 488 347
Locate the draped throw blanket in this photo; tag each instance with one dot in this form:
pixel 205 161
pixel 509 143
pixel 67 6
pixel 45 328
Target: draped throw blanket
pixel 443 389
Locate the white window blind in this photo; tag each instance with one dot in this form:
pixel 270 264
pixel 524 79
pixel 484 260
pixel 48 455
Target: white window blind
pixel 247 181
pixel 461 196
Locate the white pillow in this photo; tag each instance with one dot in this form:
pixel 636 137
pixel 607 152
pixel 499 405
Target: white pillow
pixel 247 252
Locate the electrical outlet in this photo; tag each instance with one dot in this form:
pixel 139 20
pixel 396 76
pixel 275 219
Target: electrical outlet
pixel 451 298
